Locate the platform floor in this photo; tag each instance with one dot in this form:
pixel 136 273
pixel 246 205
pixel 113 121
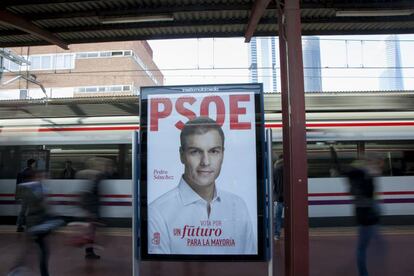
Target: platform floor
pixel 331 253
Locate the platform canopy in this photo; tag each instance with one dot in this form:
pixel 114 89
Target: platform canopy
pixel 65 22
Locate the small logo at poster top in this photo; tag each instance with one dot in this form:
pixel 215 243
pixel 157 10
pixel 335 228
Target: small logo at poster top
pixel 201 89
pixel 156 238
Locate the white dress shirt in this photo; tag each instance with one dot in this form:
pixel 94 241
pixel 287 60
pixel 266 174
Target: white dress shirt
pixel 178 223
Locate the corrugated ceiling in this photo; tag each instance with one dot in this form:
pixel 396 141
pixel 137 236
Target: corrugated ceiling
pixel 76 21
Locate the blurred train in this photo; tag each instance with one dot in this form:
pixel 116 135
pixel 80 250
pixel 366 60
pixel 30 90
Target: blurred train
pixel 349 123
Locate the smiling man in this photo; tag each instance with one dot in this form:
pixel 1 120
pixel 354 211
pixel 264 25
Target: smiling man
pixel 196 217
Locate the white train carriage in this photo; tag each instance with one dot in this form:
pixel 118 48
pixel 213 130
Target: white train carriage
pixel 375 123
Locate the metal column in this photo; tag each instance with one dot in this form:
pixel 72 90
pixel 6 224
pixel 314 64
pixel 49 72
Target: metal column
pixel 294 140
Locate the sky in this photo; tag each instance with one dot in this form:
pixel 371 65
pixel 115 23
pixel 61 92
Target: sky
pixel 349 63
pixel 205 57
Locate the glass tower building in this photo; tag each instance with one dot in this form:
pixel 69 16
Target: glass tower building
pixel 392 77
pixel 264 64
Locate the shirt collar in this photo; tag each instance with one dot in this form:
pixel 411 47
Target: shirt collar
pixel 188 195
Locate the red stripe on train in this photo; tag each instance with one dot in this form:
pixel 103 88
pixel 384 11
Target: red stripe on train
pixel 309 195
pixel 267 125
pixel 74 195
pixel 77 195
pixel 348 124
pixel 50 129
pixel 348 194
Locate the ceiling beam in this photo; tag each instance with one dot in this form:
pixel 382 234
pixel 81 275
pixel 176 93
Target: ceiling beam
pixel 14 3
pixel 272 32
pixel 143 25
pixel 259 7
pixel 138 11
pixel 22 24
pixel 212 22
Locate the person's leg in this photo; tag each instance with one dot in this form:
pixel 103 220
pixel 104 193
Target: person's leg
pixel 43 254
pixel 23 251
pixel 21 219
pixel 364 236
pixel 89 250
pixel 278 220
pixel 274 217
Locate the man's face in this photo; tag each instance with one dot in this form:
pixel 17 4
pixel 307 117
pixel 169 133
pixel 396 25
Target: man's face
pixel 202 157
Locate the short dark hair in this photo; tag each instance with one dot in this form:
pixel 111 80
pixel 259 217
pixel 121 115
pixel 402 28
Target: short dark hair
pixel 200 125
pixel 30 162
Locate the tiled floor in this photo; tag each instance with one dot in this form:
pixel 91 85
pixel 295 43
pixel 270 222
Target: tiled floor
pixel 331 253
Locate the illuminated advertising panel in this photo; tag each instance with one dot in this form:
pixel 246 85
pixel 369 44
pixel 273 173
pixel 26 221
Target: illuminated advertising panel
pixel 202 172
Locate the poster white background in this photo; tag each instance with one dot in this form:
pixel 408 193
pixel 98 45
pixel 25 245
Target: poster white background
pixel 238 173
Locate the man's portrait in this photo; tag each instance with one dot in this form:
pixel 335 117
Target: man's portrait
pixel 197 216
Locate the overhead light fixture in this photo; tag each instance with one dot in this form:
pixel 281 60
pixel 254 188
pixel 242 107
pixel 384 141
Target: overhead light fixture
pixel 361 13
pixel 136 19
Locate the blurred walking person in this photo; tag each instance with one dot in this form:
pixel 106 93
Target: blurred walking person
pixel 98 168
pixel 361 176
pixel 27 174
pixel 39 222
pixel 278 196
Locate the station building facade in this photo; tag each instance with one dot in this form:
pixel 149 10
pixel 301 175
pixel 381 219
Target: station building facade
pixel 86 70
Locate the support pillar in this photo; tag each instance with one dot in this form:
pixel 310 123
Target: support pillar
pixel 294 140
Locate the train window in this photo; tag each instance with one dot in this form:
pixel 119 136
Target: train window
pixel 398 156
pixel 9 162
pixel 12 157
pixel 329 159
pixel 80 154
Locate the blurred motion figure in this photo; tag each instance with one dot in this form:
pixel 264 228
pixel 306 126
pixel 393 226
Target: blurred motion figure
pixel 98 168
pixel 39 222
pixel 278 195
pixel 361 176
pixel 26 175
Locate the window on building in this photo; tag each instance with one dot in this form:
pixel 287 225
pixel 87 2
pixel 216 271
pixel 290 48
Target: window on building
pixel 82 55
pixel 90 89
pixel 93 55
pixel 116 88
pixel 46 62
pixel 105 54
pixel 63 61
pixel 117 53
pixel 35 63
pixel 120 53
pixel 103 89
pixel 14 66
pixel 52 62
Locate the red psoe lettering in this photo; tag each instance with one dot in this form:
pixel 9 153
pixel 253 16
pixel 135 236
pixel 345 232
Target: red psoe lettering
pixel 157 114
pixel 235 111
pixel 179 106
pixel 220 108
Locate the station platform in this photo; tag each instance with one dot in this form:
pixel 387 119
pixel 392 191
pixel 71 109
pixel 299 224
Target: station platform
pixel 331 253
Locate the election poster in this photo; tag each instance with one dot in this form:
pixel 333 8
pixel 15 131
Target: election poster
pixel 202 171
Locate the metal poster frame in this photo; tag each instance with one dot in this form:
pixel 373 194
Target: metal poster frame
pixel 260 163
pixel 136 239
